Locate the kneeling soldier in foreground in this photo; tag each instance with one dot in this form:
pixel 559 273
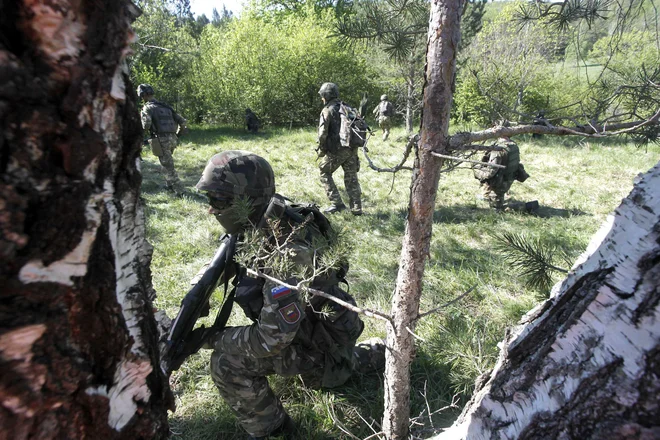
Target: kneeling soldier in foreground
pixel 292 332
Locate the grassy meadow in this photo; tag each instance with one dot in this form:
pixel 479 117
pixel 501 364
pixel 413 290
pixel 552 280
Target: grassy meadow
pixel 577 183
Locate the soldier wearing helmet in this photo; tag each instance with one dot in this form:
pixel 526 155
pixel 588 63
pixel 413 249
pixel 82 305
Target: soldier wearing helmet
pixel 163 124
pixel 384 112
pixel 333 155
pixel 288 336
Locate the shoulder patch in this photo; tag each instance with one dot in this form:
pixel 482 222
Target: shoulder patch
pixel 290 313
pixel 279 292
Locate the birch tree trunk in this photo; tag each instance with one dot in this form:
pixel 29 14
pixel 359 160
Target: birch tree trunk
pixel 443 38
pixel 78 340
pixel 586 363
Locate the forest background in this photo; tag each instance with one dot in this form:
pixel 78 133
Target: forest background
pixel 273 59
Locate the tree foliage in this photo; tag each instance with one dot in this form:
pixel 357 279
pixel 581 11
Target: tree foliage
pixel 275 68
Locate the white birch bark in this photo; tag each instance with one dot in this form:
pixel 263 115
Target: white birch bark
pixel 585 363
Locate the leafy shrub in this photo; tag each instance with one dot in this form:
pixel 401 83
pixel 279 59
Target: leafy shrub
pixel 274 68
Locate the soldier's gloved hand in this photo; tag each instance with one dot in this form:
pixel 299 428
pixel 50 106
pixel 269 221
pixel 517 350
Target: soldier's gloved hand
pixel 182 131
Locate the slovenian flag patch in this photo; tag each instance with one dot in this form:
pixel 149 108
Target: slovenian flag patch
pixel 279 292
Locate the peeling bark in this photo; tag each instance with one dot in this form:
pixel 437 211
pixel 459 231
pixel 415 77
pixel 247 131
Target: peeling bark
pixel 443 38
pixel 78 344
pixel 586 363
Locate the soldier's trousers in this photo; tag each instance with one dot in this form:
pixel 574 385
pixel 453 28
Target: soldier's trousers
pixel 242 382
pixel 385 123
pixel 347 158
pixel 495 194
pixel 168 142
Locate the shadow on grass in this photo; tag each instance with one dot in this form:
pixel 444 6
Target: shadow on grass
pixel 153 180
pixel 460 214
pixel 211 136
pixel 549 212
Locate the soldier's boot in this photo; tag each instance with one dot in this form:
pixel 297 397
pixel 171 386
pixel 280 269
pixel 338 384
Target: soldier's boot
pixel 335 207
pixel 356 208
pixel 176 188
pixel 369 356
pixel 287 430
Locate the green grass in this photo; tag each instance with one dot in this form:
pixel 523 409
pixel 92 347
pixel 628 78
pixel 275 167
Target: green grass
pixel 577 183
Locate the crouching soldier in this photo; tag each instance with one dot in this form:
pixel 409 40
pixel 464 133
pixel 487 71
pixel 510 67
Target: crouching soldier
pixel 496 181
pixel 291 333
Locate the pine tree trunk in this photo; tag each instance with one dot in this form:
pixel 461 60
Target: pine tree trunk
pixel 586 363
pixel 78 341
pixel 443 37
pixel 410 95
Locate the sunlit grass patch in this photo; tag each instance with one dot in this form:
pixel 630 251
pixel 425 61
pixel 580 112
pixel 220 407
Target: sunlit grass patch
pixel 577 185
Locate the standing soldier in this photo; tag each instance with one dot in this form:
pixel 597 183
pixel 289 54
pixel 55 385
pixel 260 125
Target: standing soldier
pixel 496 182
pixel 164 125
pixel 251 121
pixel 334 155
pixel 384 111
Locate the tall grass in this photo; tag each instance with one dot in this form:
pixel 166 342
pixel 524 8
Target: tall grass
pixel 577 184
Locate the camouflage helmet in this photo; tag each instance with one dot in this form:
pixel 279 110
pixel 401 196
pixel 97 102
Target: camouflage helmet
pixel 329 91
pixel 383 98
pixel 145 89
pixel 239 173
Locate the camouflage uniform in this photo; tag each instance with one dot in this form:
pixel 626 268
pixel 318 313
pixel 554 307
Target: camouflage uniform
pixel 383 112
pixel 288 337
pixel 161 121
pixel 496 182
pixel 335 156
pixel 290 334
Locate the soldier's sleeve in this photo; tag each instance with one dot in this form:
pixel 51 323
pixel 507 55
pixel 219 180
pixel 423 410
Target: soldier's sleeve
pixel 179 119
pixel 146 118
pixel 324 127
pixel 278 322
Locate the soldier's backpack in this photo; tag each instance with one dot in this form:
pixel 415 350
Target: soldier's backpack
pixel 353 129
pixel 386 108
pixel 162 117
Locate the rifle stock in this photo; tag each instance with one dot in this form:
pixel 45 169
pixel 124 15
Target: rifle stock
pixel 183 340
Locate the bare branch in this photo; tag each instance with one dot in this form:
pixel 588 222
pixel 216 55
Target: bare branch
pixel 367 312
pixel 411 142
pixel 165 49
pixel 460 159
pixel 421 315
pixel 595 131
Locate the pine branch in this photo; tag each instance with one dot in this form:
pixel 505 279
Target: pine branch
pixel 533 259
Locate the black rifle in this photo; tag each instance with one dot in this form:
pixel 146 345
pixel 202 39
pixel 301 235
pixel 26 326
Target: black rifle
pixel 183 341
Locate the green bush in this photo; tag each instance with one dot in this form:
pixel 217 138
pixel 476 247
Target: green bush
pixel 274 68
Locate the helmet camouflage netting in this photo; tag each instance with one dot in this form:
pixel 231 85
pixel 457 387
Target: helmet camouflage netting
pixel 239 173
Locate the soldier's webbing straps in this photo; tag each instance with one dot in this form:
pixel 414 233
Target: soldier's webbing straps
pixel 225 311
pixel 223 315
